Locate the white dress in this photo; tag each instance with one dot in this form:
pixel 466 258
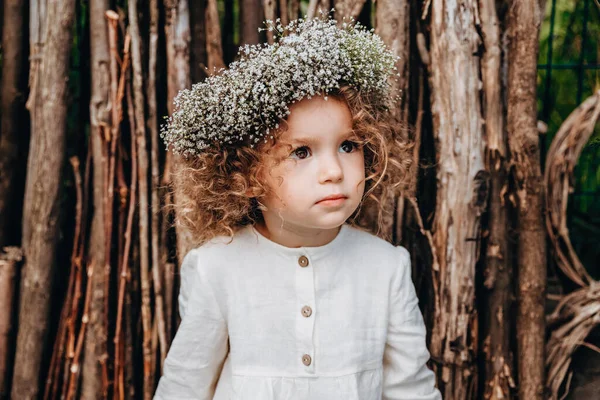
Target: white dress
pixel 261 321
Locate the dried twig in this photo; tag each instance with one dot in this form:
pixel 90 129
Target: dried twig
pixel 77 261
pixel 75 367
pixel 562 157
pixel 58 352
pixel 127 374
pixel 117 99
pixel 578 313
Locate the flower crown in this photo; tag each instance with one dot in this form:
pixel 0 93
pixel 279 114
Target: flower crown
pixel 246 102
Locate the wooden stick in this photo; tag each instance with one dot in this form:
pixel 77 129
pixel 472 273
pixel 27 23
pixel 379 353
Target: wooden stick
pixel 154 154
pixel 130 284
pixel 124 194
pixel 294 9
pixel 523 25
pixel 140 133
pixel 270 7
pixel 312 8
pixel 124 270
pixel 10 257
pixel 154 344
pixel 93 372
pixel 12 139
pixel 283 12
pixel 347 9
pixel 214 48
pixel 50 45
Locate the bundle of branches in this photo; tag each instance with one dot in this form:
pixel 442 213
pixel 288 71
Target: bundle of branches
pixel 579 312
pixel 85 313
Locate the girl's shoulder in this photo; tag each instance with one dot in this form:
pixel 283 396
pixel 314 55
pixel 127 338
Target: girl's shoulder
pixel 364 241
pixel 223 245
pixel 217 252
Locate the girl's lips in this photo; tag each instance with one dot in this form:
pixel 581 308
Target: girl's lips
pixel 332 201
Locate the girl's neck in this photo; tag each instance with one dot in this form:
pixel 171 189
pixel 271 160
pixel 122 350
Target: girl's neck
pixel 291 235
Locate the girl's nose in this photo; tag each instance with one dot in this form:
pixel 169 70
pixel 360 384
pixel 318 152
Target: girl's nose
pixel 331 170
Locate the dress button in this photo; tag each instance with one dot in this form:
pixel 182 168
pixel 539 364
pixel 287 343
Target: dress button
pixel 303 261
pixel 306 311
pixel 306 360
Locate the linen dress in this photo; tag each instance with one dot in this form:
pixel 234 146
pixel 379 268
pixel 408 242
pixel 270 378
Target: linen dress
pixel 261 321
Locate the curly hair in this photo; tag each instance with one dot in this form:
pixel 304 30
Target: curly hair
pixel 218 191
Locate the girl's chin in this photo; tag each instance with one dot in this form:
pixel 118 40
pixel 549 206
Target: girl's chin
pixel 316 218
pixel 331 221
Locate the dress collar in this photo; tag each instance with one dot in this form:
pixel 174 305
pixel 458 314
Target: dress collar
pixel 313 252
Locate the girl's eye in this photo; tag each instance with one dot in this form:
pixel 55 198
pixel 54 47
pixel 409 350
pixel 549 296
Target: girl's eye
pixel 349 146
pixel 301 152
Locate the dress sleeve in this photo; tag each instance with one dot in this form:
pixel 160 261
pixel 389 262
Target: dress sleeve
pixel 405 373
pixel 194 361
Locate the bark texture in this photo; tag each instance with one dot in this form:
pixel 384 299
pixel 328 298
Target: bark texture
pixel 214 48
pixel 251 18
pixel 498 272
pixel 462 190
pixel 270 7
pixel 348 8
pixel 523 24
pixel 196 32
pixel 50 43
pixel 293 9
pixel 315 7
pixel 392 23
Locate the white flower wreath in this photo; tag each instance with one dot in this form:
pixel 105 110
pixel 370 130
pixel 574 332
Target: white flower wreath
pixel 245 102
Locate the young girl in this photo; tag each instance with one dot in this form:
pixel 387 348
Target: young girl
pixel 284 297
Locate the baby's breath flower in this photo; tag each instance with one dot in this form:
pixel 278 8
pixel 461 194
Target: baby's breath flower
pixel 246 101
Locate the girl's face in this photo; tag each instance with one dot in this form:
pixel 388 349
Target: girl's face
pixel 321 181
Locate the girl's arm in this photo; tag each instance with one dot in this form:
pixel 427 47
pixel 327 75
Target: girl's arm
pixel 192 366
pixel 405 373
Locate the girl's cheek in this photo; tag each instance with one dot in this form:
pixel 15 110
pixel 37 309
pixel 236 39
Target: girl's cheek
pixel 357 163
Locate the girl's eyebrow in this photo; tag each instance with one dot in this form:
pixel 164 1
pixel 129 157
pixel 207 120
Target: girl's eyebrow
pixel 313 139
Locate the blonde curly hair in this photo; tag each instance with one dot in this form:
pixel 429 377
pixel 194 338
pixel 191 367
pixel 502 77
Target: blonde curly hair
pixel 219 191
